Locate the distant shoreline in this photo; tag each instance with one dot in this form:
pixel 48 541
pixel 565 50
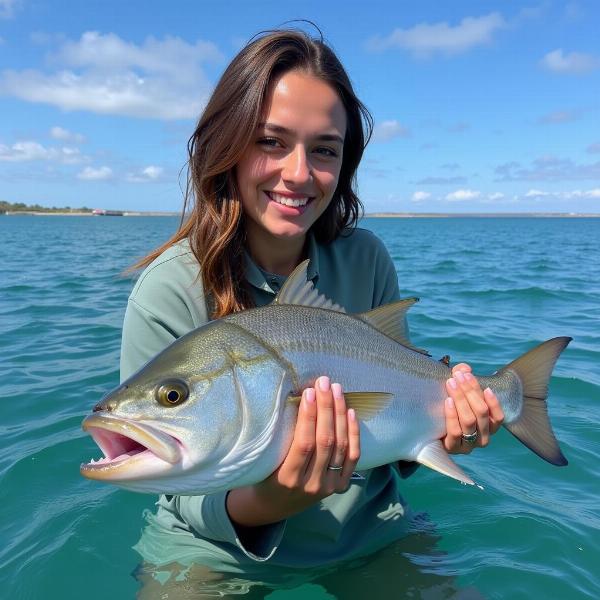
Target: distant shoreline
pixel 376 215
pixel 33 213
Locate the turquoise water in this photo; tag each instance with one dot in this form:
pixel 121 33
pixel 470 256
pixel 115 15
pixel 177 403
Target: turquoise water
pixel 489 289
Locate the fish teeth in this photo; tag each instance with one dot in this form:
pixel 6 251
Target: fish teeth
pixel 295 202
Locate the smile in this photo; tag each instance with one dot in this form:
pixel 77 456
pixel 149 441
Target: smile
pixel 287 201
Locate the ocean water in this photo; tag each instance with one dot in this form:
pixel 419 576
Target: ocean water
pixel 490 289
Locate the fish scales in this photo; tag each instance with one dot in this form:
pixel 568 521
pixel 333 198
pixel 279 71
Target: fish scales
pixel 361 359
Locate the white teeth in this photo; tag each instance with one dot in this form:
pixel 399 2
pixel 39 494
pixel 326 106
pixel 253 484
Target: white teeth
pixel 288 201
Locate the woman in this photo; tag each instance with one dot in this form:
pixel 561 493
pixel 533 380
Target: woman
pixel 272 167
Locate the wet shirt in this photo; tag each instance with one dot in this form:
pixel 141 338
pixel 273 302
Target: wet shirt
pixel 356 272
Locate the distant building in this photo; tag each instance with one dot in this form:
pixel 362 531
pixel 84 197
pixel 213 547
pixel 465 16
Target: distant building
pixel 103 212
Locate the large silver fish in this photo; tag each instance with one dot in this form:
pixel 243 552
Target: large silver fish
pixel 216 409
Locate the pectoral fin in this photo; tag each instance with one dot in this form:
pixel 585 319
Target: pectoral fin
pixel 435 457
pixel 365 404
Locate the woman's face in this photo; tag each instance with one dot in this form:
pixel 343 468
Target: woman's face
pixel 290 171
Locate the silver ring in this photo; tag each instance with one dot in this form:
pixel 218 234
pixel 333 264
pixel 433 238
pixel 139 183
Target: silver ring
pixel 470 438
pixel 334 468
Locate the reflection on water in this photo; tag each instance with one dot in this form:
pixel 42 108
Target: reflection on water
pixel 413 567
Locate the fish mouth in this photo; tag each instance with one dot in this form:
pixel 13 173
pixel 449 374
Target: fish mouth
pixel 131 450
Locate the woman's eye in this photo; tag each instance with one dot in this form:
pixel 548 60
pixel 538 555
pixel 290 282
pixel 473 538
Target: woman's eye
pixel 268 142
pixel 326 152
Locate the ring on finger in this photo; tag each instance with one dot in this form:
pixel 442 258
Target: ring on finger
pixel 470 438
pixel 334 467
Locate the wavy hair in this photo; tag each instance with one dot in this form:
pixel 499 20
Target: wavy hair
pixel 212 218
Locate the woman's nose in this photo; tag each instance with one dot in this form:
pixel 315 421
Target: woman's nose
pixel 296 166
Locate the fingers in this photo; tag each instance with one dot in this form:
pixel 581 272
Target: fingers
pixel 340 449
pixel 337 441
pixel 353 453
pixel 453 440
pixel 327 435
pixel 464 367
pixel 471 409
pixel 495 410
pixel 301 451
pixel 325 432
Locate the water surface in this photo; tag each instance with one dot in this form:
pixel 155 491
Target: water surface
pixel 490 289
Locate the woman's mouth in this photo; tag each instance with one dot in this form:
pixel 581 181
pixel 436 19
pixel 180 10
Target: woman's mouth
pixel 294 202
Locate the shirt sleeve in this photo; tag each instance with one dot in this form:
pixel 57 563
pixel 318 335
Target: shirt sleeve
pixel 157 313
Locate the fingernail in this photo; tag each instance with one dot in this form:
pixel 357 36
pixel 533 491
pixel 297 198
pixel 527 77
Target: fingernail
pixel 469 377
pixel 452 383
pixel 336 388
pixel 309 395
pixel 324 384
pixel 449 402
pixel 351 414
pixel 459 376
pixel 487 391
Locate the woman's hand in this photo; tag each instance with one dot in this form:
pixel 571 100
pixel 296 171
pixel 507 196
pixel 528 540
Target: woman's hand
pixel 320 461
pixel 469 410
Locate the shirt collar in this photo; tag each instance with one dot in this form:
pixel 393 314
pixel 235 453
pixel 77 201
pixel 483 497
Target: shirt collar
pixel 255 276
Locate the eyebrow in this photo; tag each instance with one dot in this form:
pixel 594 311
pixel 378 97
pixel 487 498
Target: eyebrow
pixel 325 137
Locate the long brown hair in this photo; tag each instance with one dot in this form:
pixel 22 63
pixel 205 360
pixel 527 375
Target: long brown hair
pixel 212 219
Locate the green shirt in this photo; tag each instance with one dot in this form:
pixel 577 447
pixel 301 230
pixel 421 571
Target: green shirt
pixel 168 300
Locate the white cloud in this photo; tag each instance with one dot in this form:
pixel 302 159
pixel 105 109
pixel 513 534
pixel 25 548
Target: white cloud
pixel 548 168
pixel 591 194
pixel 496 196
pixel 560 116
pixel 420 196
pixel 150 173
pixel 536 194
pixel 573 11
pixel 435 180
pixel 594 148
pixel 92 174
pixel 459 127
pixel 28 150
pixel 58 133
pixel 425 39
pixel 572 63
pixel 7 8
pixel 460 195
pixel 389 130
pixel 102 73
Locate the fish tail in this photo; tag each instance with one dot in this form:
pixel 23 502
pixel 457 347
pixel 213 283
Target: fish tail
pixel 532 427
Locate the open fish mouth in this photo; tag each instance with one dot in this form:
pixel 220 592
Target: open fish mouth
pixel 131 450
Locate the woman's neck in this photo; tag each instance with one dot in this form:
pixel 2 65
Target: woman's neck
pixel 276 255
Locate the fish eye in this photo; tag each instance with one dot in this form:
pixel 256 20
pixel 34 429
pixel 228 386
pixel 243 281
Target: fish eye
pixel 172 392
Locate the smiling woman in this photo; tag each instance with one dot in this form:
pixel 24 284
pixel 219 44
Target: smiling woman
pixel 289 175
pixel 272 167
pixel 287 178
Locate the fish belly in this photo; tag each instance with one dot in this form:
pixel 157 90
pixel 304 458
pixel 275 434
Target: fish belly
pixel 410 420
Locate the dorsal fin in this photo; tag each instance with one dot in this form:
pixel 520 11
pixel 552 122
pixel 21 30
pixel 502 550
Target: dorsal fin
pixel 299 290
pixel 390 319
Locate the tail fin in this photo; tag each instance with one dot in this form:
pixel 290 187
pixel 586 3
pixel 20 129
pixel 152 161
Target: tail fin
pixel 533 428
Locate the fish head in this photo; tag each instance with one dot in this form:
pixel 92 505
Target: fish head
pixel 194 418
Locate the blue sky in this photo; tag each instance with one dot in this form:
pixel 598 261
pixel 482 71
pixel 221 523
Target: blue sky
pixel 479 106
